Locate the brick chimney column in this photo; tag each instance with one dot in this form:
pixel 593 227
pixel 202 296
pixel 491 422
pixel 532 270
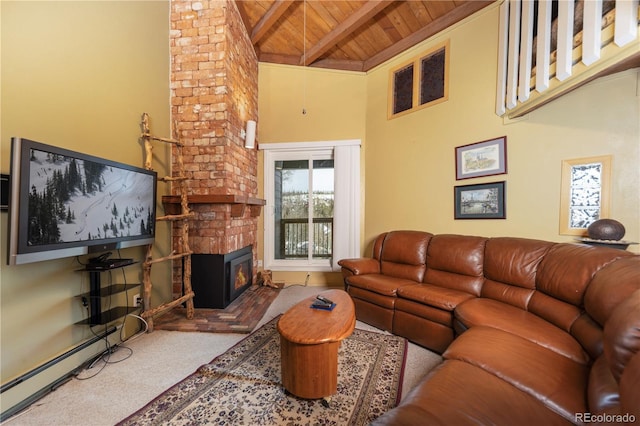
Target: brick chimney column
pixel 214 91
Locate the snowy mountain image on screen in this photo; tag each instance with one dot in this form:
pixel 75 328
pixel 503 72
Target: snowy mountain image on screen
pixel 74 200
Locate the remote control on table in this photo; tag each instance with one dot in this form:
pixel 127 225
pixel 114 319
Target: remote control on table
pixel 324 300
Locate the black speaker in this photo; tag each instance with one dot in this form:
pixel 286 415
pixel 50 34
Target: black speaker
pixel 4 192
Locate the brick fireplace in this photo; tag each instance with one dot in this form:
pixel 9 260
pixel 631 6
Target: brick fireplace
pixel 214 91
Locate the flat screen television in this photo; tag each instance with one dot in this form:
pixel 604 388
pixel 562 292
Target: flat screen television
pixel 64 203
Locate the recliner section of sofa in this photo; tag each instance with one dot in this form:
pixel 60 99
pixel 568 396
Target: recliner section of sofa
pixel 454 274
pixel 522 325
pixel 398 259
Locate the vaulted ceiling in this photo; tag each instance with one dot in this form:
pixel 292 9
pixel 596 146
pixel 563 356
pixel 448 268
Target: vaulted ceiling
pixel 346 35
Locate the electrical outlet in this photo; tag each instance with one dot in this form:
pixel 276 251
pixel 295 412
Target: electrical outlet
pixel 259 263
pixel 137 301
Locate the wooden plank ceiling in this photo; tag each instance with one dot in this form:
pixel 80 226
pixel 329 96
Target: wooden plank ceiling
pixel 346 35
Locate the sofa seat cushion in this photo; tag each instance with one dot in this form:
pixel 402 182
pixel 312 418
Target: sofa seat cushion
pixel 373 308
pixel 386 302
pixel 489 312
pixel 421 310
pixel 458 393
pixel 377 283
pixel 433 295
pixel 555 380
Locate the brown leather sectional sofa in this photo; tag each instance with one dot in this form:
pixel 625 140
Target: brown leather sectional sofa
pixel 531 332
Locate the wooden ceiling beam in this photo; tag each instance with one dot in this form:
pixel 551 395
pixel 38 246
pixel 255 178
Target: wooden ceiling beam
pixel 277 9
pixel 344 29
pixel 468 8
pixel 338 64
pixel 278 58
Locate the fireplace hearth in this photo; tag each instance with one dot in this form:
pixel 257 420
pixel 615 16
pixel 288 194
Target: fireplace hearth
pixel 218 279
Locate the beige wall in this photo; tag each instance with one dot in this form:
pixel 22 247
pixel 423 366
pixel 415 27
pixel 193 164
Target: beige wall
pixel 410 163
pixel 77 75
pixel 335 104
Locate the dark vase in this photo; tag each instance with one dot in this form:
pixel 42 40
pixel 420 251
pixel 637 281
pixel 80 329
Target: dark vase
pixel 606 229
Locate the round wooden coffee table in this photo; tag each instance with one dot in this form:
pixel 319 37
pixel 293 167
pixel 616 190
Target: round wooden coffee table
pixel 309 342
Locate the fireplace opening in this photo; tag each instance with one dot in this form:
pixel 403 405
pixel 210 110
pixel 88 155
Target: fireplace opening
pixel 218 279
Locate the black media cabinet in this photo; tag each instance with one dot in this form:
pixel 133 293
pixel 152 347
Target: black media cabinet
pixel 97 292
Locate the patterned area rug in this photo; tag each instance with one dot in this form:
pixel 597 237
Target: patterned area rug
pixel 243 386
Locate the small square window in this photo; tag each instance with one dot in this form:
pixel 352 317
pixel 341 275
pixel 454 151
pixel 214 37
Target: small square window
pixel 432 77
pixel 420 83
pixel 403 89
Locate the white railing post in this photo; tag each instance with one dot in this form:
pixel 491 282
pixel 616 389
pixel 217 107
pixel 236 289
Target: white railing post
pixel 526 51
pixel 565 39
pixel 543 48
pixel 591 31
pixel 626 22
pixel 501 80
pixel 514 42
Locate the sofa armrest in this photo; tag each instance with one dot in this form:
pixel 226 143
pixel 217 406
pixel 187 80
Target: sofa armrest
pixel 359 266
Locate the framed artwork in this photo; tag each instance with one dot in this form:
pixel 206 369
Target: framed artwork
pixel 485 158
pixel 584 196
pixel 481 201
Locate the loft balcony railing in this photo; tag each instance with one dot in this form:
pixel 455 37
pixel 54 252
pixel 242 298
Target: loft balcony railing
pixel 541 57
pixel 294 238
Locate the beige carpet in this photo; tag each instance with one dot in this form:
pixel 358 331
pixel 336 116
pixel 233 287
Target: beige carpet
pixel 246 385
pixel 160 360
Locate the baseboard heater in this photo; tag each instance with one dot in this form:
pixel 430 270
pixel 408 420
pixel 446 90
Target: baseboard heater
pixel 42 392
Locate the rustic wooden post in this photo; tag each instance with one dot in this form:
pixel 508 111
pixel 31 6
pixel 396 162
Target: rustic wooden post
pixel 182 219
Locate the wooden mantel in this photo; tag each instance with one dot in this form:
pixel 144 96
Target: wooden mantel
pixel 238 203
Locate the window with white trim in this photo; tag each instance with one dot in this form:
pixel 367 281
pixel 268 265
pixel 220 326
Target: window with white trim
pixel 312 216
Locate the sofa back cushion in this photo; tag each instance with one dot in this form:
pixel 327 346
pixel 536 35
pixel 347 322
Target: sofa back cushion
pixel 567 269
pixel 562 279
pixel 377 246
pixel 510 266
pixel 610 286
pixel 404 254
pixel 456 262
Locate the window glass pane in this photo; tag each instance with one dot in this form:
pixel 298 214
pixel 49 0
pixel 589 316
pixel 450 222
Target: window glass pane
pixel 323 198
pixel 294 232
pixel 291 209
pixel 432 77
pixel 403 89
pixel 585 195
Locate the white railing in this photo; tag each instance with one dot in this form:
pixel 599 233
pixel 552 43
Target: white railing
pixel 528 35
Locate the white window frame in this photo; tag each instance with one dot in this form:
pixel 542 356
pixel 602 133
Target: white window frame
pixel 346 214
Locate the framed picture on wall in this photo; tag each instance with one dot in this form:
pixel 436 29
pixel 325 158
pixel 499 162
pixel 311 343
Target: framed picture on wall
pixel 485 158
pixel 480 201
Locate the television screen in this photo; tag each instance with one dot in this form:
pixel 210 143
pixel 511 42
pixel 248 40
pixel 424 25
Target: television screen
pixel 64 203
